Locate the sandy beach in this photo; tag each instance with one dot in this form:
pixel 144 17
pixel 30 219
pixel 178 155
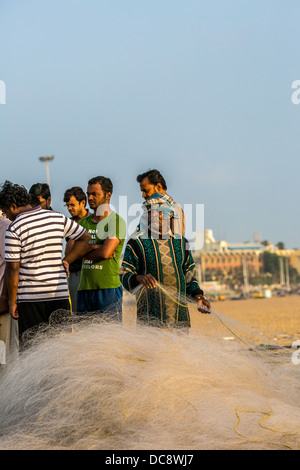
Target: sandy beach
pixel 277 318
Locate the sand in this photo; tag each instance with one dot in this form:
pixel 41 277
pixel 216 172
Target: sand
pixel 277 318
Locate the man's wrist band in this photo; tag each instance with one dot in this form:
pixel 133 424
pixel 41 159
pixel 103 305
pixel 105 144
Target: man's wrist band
pixel 200 297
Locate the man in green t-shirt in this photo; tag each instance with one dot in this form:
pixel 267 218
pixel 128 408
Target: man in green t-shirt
pixel 100 288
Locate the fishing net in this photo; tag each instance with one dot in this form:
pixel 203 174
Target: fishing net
pixel 95 382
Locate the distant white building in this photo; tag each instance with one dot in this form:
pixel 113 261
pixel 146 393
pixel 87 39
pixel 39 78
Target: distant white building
pixel 214 258
pixel 205 242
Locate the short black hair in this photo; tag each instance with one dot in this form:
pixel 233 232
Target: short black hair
pixel 75 191
pixel 154 177
pixel 39 189
pixel 105 183
pixel 13 194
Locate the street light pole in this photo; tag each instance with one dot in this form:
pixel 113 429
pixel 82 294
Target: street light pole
pixel 46 160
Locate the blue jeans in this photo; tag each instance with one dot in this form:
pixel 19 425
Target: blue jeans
pixel 107 301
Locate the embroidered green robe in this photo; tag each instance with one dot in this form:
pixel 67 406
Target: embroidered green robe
pixel 171 263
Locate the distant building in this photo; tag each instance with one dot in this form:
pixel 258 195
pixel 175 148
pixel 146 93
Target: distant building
pixel 295 259
pixel 220 258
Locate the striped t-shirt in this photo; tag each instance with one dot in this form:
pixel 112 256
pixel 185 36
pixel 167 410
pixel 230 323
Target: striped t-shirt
pixel 35 239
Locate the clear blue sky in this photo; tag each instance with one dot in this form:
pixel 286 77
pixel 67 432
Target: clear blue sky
pixel 200 90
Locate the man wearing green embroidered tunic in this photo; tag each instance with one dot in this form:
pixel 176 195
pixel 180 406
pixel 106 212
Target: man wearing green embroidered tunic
pixel 100 288
pixel 157 254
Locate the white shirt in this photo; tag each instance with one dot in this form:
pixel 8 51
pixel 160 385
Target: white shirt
pixel 35 239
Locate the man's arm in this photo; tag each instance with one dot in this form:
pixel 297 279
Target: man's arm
pixel 69 246
pixel 12 280
pixel 4 306
pixel 104 251
pixel 80 248
pixel 192 285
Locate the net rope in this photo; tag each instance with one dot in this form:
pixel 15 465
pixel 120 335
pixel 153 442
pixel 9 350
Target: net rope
pixel 95 382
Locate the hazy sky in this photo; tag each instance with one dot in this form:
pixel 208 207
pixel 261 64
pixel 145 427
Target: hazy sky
pixel 200 90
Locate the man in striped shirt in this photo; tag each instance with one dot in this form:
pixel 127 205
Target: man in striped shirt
pixel 36 273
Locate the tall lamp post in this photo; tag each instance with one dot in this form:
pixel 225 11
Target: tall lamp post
pixel 46 160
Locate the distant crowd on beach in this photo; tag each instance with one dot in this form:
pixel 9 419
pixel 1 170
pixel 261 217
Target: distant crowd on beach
pixel 40 274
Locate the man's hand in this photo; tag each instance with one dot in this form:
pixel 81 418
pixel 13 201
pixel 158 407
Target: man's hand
pixel 203 305
pixel 13 310
pixel 147 280
pixel 66 266
pixel 77 249
pixel 12 280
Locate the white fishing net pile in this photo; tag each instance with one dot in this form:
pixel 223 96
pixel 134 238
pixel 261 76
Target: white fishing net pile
pixel 103 384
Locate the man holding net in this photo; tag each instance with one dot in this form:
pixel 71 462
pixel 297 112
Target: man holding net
pixel 158 259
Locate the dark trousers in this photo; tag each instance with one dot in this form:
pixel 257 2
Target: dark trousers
pixel 108 301
pixel 32 314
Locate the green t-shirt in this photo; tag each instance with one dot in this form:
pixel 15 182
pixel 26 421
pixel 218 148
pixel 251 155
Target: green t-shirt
pixel 103 274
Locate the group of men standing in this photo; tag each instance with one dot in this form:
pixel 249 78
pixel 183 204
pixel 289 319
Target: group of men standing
pixel 41 277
